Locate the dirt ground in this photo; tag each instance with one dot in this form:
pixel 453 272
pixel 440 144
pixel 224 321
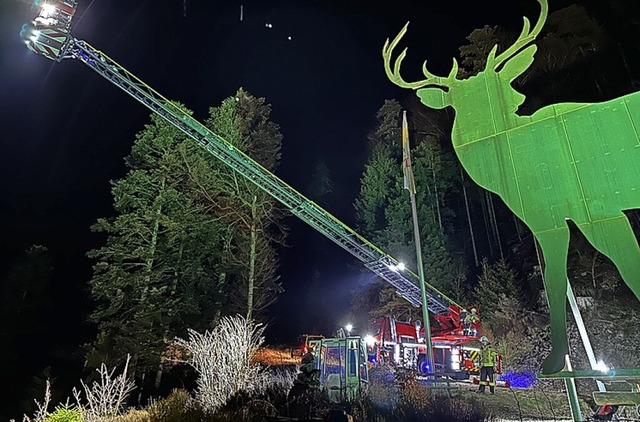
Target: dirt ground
pixel 276 356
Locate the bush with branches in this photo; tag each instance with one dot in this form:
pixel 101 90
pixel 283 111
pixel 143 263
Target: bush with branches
pixel 104 399
pixel 222 359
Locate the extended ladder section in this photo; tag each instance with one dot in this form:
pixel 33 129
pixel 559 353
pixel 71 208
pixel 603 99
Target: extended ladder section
pixel 406 282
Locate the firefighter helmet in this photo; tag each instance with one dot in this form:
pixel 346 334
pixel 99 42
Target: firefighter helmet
pixel 484 340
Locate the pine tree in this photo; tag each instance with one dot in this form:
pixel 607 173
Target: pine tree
pixel 253 217
pixel 156 275
pixel 496 282
pixel 384 210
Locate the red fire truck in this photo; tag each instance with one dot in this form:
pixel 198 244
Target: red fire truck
pixel 455 346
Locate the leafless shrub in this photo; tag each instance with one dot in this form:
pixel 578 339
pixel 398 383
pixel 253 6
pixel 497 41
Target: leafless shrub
pixel 104 399
pixel 223 360
pixel 40 414
pixel 107 397
pixel 281 380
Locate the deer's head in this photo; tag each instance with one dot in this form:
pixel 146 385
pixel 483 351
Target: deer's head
pixel 489 91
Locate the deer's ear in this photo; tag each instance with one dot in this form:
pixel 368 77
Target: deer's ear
pixel 434 97
pixel 518 64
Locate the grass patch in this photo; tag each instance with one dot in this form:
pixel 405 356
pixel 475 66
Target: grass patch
pixel 516 403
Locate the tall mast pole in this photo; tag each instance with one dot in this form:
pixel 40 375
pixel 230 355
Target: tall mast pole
pixel 410 184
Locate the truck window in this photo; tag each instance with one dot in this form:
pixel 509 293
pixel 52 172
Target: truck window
pixel 353 362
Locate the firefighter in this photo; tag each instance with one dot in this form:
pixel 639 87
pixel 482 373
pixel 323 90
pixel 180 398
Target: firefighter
pixel 307 378
pixel 309 374
pixel 469 323
pixel 488 357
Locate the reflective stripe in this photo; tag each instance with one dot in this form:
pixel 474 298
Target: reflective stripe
pixel 474 358
pixel 488 356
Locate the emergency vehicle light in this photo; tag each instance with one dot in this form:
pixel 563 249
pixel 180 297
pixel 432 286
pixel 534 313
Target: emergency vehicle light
pixel 455 358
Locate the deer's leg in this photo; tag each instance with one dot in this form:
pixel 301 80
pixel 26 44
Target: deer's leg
pixel 615 239
pixel 555 246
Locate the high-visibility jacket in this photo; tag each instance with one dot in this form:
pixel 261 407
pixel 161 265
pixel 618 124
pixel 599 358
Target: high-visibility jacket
pixel 488 356
pixel 471 318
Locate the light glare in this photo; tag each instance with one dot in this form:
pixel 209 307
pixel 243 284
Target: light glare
pixel 602 367
pixel 47 10
pixel 397 267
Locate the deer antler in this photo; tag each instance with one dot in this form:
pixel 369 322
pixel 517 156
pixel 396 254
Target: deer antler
pixel 524 38
pixel 394 75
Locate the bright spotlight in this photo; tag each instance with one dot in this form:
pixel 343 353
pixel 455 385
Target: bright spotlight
pixel 399 267
pixel 47 10
pixel 369 340
pixel 348 327
pixel 602 367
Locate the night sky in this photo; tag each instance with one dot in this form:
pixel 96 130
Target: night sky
pixel 65 130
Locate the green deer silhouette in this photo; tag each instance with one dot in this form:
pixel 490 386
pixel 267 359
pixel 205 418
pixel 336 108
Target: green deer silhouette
pixel 570 161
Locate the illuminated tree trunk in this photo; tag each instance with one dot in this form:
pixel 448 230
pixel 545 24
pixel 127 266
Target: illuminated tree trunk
pixel 153 244
pixel 494 224
pixel 252 258
pixel 435 189
pixel 156 383
pixel 466 205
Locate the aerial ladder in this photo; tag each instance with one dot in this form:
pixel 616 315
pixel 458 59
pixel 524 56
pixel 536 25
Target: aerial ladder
pixel 49 35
